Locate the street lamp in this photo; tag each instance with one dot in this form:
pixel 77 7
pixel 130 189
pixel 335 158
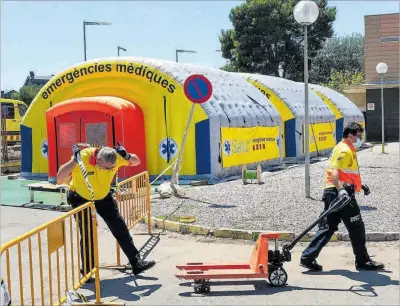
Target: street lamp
pixel 120 48
pixel 182 51
pixel 382 68
pixel 85 23
pixel 306 12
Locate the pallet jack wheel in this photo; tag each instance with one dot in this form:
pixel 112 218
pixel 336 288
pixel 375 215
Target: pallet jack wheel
pixel 201 286
pixel 277 277
pixel 206 288
pixel 197 288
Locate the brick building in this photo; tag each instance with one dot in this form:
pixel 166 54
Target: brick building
pixel 382 45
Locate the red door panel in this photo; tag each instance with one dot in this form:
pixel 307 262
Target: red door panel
pixel 96 128
pixel 67 134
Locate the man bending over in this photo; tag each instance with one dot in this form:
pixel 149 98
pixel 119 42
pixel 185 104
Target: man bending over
pixel 101 165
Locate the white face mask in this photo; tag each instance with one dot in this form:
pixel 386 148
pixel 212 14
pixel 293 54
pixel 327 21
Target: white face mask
pixel 358 143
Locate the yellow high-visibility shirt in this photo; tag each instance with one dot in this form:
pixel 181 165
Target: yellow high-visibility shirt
pixel 100 179
pixel 344 159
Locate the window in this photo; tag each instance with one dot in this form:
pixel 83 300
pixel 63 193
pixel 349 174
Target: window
pixel 66 135
pixel 386 39
pixel 7 110
pixel 96 133
pixel 22 109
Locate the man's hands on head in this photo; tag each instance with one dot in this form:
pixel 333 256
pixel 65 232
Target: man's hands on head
pixel 75 152
pixel 132 158
pixel 122 151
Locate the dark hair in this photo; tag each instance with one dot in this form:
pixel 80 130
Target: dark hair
pixel 352 128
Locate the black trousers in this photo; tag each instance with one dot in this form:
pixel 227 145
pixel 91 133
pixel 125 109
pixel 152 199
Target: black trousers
pixel 107 209
pixel 351 217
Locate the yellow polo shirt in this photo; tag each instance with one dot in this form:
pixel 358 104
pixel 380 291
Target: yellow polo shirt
pixel 100 179
pixel 344 159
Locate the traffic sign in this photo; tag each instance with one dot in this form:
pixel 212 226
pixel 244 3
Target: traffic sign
pixel 371 106
pixel 198 88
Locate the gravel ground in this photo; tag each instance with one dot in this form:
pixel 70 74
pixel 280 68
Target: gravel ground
pixel 280 204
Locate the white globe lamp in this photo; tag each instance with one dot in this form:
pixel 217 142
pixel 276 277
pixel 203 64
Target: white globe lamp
pixel 306 12
pixel 382 68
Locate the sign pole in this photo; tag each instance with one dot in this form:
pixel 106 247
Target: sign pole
pixel 174 178
pixel 198 90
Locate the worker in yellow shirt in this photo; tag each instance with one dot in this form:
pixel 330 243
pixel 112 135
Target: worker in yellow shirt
pixel 101 165
pixel 343 177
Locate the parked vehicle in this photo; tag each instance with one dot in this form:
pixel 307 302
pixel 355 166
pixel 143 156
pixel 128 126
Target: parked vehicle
pixel 13 111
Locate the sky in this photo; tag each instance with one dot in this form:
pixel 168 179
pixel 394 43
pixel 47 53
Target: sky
pixel 47 36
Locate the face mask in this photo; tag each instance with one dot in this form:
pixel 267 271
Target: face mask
pixel 358 143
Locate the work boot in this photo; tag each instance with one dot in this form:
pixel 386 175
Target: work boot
pixel 311 265
pixel 140 265
pixel 370 265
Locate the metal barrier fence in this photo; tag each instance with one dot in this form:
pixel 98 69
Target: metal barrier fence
pixel 55 245
pixel 133 199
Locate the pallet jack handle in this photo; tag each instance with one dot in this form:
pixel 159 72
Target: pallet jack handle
pixel 337 205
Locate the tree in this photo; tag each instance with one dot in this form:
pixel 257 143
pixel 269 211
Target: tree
pixel 340 54
pixel 267 39
pixel 15 96
pixel 28 93
pixel 341 79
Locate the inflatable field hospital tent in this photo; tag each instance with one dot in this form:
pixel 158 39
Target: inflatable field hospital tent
pixel 344 109
pixel 237 125
pixel 288 98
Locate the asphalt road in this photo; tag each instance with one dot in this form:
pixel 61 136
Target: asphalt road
pixel 338 284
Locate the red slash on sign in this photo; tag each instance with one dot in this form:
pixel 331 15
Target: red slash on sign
pixel 198 88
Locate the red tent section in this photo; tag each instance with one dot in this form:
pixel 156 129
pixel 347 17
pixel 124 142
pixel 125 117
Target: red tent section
pixel 96 120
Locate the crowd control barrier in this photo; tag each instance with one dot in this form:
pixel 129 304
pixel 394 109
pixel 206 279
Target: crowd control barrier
pixel 42 264
pixel 133 199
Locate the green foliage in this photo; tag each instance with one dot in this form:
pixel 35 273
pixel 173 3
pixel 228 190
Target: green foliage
pixel 339 54
pixel 28 93
pixel 341 79
pixel 267 39
pixel 15 96
pixel 230 67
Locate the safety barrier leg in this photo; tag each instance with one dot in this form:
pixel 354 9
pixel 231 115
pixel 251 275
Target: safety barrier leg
pixel 148 203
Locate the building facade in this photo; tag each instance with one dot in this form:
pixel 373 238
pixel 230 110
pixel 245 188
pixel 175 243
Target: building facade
pixel 33 79
pixel 382 45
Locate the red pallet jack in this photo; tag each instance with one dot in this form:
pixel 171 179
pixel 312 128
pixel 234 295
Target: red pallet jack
pixel 264 263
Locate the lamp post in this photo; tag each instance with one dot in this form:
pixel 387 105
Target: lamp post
pixel 182 51
pixel 305 13
pixel 382 68
pixel 120 48
pixel 85 23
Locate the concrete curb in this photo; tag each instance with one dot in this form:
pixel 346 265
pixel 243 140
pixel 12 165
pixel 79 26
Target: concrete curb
pixel 183 228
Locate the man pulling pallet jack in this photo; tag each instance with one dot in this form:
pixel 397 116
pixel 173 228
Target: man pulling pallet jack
pixel 342 181
pixel 343 178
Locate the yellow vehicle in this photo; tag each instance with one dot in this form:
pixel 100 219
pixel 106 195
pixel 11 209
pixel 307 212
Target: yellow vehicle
pixel 13 111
